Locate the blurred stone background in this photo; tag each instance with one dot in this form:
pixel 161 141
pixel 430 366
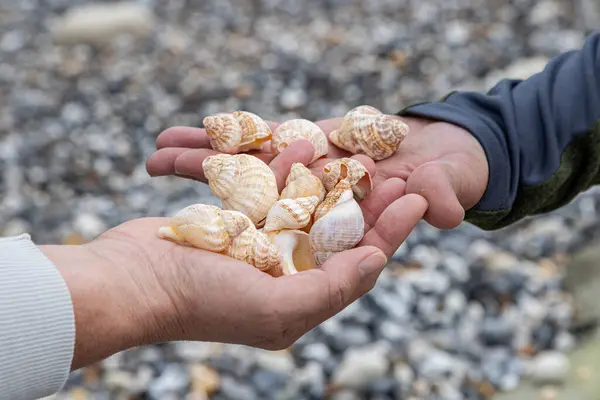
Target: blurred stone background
pixel 460 314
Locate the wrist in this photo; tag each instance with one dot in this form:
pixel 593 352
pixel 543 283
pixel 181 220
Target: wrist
pixel 108 315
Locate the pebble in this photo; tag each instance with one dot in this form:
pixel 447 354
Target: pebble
pixel 361 366
pixel 549 367
pixel 173 380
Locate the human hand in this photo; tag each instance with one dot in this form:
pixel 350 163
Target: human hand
pixel 442 162
pixel 130 288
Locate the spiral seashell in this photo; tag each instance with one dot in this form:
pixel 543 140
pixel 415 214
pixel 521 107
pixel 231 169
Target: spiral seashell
pixel 205 227
pixel 244 183
pixel 365 130
pixel 302 183
pixel 291 213
pixel 352 170
pixel 255 248
pixel 236 132
pixel 296 252
pixel 298 129
pixel 231 233
pixel 339 226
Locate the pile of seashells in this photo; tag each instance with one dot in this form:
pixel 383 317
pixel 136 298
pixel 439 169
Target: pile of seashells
pixel 312 219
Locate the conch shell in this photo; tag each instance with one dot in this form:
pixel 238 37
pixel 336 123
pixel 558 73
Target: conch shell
pixel 291 213
pixel 338 223
pixel 244 183
pixel 295 249
pixel 302 183
pixel 236 132
pixel 366 130
pixel 298 129
pixel 231 233
pixel 353 171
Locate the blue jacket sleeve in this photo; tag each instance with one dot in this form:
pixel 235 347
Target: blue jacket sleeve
pixel 541 135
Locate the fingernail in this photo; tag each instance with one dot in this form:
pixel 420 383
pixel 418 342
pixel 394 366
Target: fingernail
pixel 374 263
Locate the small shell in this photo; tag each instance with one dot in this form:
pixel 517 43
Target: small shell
pixel 297 129
pixel 205 227
pixel 354 171
pixel 244 183
pixel 236 132
pixel 302 183
pixel 365 130
pixel 231 233
pixel 291 213
pixel 339 227
pixel 255 248
pixel 294 247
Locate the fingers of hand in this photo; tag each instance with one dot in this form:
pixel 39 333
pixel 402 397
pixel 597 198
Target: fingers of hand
pixel 395 223
pixel 435 182
pixel 380 198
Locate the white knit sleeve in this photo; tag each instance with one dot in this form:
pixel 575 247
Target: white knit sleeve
pixel 37 324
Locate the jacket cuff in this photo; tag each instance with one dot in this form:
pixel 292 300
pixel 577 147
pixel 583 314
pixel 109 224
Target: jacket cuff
pixel 37 322
pixel 485 130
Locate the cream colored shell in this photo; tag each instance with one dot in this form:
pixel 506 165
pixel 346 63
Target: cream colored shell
pixel 236 132
pixel 298 129
pixel 291 213
pixel 352 170
pixel 365 130
pixel 339 224
pixel 295 249
pixel 244 183
pixel 231 233
pixel 302 183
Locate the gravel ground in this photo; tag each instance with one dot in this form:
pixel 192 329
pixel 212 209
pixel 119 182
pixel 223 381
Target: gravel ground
pixel 459 314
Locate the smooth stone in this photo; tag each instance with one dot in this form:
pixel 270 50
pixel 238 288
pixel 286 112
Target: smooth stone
pixel 235 390
pixel 173 379
pixel 346 394
pixel 456 268
pixel 496 331
pixel 312 378
pixel 436 365
pixel 549 367
pixel 361 366
pixel 268 382
pixel 316 351
pixel 351 336
pixel 276 361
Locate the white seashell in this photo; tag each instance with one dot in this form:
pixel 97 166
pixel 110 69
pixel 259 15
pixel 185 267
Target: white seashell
pixel 338 224
pixel 244 183
pixel 294 247
pixel 302 183
pixel 291 213
pixel 236 132
pixel 352 170
pixel 298 129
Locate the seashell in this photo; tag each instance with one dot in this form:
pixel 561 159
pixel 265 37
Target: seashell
pixel 205 227
pixel 255 248
pixel 365 130
pixel 244 183
pixel 352 170
pixel 236 132
pixel 338 223
pixel 231 233
pixel 294 247
pixel 302 183
pixel 298 129
pixel 291 213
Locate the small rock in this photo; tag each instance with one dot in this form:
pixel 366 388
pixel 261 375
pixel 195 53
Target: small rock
pixel 174 379
pixel 276 361
pixel 234 390
pixel 89 225
pixel 550 367
pixel 312 377
pixel 204 379
pixel 293 98
pixel 267 381
pixel 496 331
pixel 361 366
pixel 316 351
pixel 436 365
pixel 99 23
pixel 346 394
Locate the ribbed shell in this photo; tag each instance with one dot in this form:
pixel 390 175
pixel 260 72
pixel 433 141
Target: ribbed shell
pixel 244 183
pixel 291 213
pixel 205 227
pixel 352 170
pixel 365 130
pixel 340 228
pixel 298 129
pixel 332 199
pixel 294 247
pixel 255 248
pixel 302 183
pixel 236 132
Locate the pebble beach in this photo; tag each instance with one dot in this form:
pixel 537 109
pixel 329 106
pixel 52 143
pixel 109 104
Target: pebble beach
pixel 459 314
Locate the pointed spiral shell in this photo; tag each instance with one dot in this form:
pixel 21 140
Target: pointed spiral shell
pixel 236 132
pixel 298 129
pixel 244 183
pixel 302 183
pixel 291 213
pixel 339 224
pixel 255 248
pixel 352 170
pixel 365 130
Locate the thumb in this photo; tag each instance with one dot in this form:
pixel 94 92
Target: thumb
pixel 438 182
pixel 335 283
